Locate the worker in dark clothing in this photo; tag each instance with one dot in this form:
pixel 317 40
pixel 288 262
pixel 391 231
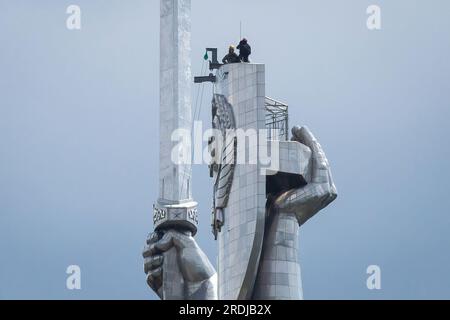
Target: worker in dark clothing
pixel 231 57
pixel 244 50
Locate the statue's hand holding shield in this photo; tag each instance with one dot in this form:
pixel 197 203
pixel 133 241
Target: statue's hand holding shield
pixel 319 191
pixel 288 209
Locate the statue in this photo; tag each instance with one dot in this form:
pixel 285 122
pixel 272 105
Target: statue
pixel 256 216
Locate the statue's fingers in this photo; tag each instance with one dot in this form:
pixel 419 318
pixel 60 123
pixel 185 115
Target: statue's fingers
pixel 153 237
pixel 161 246
pixel 306 137
pixel 146 252
pixel 153 262
pixel 329 197
pixel 164 244
pixel 330 187
pixel 154 279
pixel 300 199
pixel 314 196
pixel 320 166
pixel 333 189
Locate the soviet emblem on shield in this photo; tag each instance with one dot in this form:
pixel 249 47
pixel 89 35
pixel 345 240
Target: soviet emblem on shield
pixel 223 149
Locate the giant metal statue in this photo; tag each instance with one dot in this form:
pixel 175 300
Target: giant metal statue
pixel 258 207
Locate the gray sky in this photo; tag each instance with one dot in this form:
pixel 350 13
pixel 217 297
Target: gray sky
pixel 79 134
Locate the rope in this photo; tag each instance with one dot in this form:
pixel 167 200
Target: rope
pixel 201 102
pixel 197 113
pixel 198 93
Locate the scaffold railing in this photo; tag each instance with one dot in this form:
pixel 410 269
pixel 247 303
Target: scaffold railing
pixel 277 119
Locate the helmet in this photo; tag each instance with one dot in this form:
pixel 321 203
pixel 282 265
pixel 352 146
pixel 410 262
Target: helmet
pixel 232 48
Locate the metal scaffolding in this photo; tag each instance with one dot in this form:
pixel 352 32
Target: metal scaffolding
pixel 277 120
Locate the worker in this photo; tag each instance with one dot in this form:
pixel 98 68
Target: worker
pixel 244 50
pixel 231 57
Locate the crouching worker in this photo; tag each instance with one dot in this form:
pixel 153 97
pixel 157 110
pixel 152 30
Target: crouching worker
pixel 231 57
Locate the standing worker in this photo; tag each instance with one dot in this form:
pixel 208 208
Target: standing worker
pixel 244 50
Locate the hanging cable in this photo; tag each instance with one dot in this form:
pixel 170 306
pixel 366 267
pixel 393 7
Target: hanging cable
pixel 192 132
pixel 201 102
pixel 198 93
